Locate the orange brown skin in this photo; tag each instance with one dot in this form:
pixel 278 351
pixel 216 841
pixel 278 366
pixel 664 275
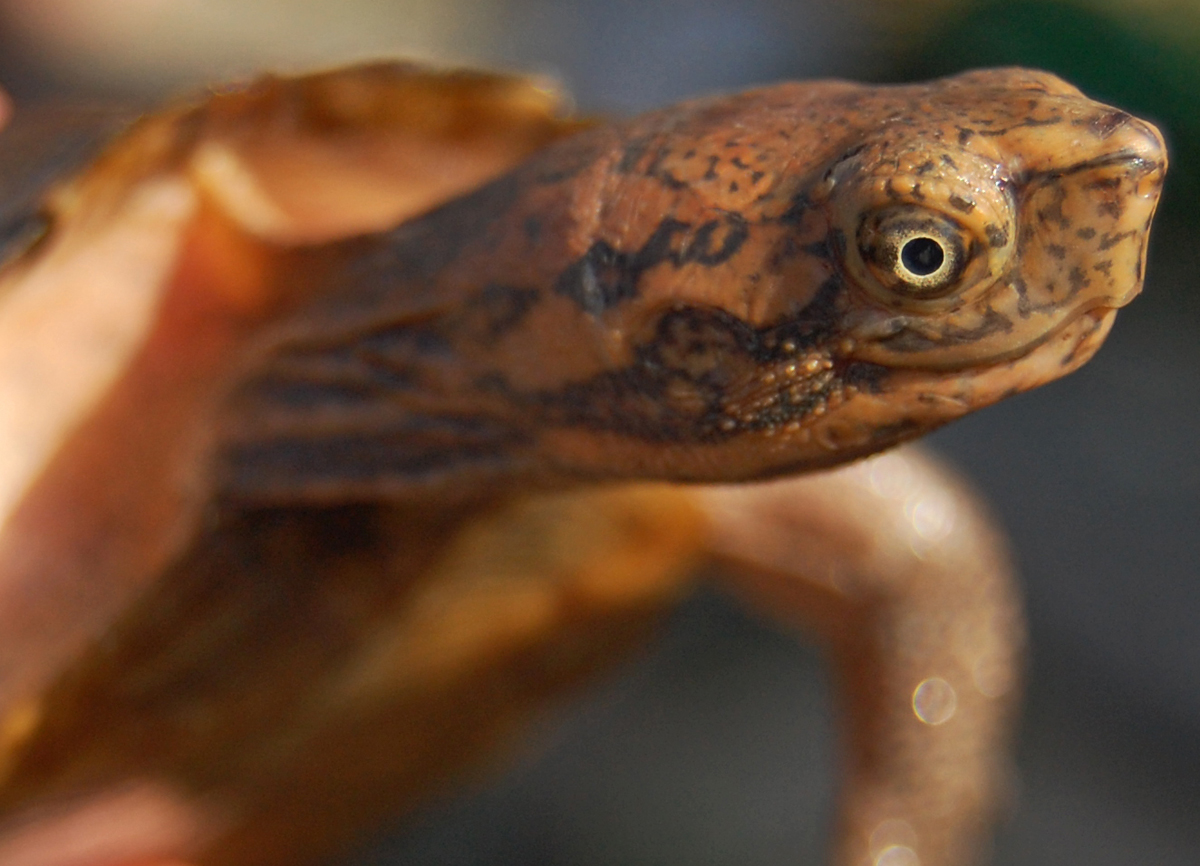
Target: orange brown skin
pixel 336 436
pixel 683 297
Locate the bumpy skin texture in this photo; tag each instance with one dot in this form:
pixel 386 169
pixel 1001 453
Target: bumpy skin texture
pixel 304 487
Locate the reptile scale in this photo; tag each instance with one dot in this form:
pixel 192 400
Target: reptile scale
pixel 343 421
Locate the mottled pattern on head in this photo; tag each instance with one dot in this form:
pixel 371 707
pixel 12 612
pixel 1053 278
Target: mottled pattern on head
pixel 734 287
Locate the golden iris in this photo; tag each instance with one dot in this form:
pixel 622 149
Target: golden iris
pixel 914 252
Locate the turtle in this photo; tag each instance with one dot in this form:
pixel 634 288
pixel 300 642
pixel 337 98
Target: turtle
pixel 353 418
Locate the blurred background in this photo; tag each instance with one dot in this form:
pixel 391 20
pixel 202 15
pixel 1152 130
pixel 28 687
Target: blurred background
pixel 716 748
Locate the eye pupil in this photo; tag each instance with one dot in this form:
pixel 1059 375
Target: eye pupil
pixel 922 256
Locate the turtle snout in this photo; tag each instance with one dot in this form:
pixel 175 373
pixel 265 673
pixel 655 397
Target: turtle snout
pixel 1140 145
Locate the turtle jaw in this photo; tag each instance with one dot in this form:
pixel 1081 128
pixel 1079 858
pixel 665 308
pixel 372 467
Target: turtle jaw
pixel 905 403
pixel 931 398
pixel 1101 311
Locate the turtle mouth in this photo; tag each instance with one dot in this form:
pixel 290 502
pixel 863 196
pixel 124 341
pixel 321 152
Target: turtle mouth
pixel 1098 312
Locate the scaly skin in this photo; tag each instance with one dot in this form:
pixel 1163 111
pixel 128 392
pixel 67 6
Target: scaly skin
pixel 285 487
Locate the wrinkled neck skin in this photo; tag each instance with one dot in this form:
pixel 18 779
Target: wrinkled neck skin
pixel 661 300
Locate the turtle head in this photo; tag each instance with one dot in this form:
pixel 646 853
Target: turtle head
pixel 919 252
pixel 1014 207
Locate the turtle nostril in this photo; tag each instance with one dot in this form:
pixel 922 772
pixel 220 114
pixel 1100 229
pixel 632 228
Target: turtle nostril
pixel 1107 123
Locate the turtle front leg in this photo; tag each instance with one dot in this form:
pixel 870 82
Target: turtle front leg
pixel 895 565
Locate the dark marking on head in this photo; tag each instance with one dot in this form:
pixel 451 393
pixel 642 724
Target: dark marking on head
pixel 1078 280
pixel 679 386
pixel 669 180
pixel 601 279
pixel 605 276
pixel 819 249
pixel 794 215
pixel 1104 267
pixel 1109 122
pixel 974 250
pixel 926 167
pixel 674 389
pixel 865 376
pixel 909 340
pixel 1108 241
pixel 689 377
pixel 1024 306
pixel 837 241
pixel 341 380
pixel 850 153
pixel 633 152
pixel 965 135
pixel 420 249
pixel 703 250
pixel 1026 122
pixel 710 173
pixel 1053 212
pixel 533 229
pixel 655 170
pixel 1069 358
pixel 426 449
pixel 817 320
pixel 1056 251
pixel 696 343
pixel 499 309
pixel 292 391
pixel 785 249
pixel 959 203
pixel 1086 234
pixel 997 235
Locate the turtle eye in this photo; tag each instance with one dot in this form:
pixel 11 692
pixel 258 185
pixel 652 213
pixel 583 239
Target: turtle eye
pixel 915 253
